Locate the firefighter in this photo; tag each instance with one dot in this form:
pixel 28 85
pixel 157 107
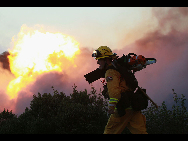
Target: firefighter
pixel 134 120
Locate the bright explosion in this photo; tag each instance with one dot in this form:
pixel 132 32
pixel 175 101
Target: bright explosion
pixel 36 52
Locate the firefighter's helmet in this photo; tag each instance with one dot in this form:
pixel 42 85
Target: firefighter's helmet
pixel 103 52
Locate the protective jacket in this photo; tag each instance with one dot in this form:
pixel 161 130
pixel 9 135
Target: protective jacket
pixel 116 86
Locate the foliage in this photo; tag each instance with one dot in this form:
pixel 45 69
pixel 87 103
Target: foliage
pixel 83 112
pixel 164 121
pixel 78 113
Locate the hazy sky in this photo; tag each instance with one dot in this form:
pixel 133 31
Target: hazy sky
pixel 153 32
pixel 91 26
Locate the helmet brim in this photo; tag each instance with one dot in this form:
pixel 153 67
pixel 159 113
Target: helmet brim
pixel 110 56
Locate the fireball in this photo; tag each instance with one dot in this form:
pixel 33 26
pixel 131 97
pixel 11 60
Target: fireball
pixel 37 51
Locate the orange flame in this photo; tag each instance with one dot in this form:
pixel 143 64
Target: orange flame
pixel 36 52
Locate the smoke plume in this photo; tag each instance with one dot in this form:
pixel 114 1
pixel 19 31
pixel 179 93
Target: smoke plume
pixel 168 44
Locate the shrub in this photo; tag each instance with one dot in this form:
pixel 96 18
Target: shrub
pixel 83 113
pixel 164 121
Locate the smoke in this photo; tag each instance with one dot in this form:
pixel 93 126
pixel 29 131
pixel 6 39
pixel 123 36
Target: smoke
pixel 171 18
pixel 168 44
pixel 43 84
pixel 5 77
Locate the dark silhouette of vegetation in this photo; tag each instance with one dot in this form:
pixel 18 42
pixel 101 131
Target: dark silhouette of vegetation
pixel 86 113
pixel 164 121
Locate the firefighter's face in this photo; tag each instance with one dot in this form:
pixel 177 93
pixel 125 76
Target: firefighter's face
pixel 101 63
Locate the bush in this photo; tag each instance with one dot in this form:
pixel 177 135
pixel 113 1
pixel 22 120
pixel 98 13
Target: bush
pixel 78 113
pixel 164 121
pixel 83 113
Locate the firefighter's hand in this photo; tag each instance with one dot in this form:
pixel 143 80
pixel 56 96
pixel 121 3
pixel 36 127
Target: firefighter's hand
pixel 110 111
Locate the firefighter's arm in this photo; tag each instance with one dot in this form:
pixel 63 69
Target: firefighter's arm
pixel 113 84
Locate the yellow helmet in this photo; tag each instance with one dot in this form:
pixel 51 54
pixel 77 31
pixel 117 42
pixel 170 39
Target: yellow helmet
pixel 103 52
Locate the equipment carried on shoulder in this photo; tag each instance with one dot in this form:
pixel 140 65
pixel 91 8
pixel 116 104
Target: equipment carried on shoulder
pixel 127 66
pixel 135 63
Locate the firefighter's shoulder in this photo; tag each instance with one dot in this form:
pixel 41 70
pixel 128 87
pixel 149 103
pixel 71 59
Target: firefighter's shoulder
pixel 112 74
